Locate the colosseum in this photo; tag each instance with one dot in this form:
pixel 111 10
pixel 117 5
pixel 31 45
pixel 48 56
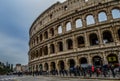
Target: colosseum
pixel 75 33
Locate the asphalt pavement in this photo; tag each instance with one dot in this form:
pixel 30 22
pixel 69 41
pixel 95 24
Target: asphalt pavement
pixel 44 78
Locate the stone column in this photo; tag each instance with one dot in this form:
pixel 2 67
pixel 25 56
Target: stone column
pixel 84 22
pixel 49 33
pixel 63 28
pixel 76 61
pixel 119 57
pixel 56 47
pixel 100 37
pixel 49 66
pixel 73 24
pixel 74 43
pixel 64 45
pixel 56 65
pixel 66 64
pixel 48 49
pixel 104 59
pixel 38 38
pixel 56 31
pixel 42 51
pixel 109 15
pixel 96 18
pixel 86 40
pixel 89 60
pixel 114 35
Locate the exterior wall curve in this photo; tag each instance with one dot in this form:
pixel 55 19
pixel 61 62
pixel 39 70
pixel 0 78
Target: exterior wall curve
pixel 59 14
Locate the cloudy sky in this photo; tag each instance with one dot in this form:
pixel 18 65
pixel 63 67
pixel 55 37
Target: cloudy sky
pixel 16 17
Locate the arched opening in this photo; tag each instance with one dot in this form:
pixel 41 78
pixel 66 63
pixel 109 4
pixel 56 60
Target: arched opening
pixel 46 35
pixel 37 54
pixel 40 52
pixel 52 32
pixel 53 67
pixel 32 68
pixel 37 39
pixel 41 67
pixel 59 29
pixel 80 41
pixel 69 44
pixel 78 23
pixel 36 67
pixel 68 26
pixel 116 13
pixel 119 34
pixel 107 37
pixel 93 39
pixel 71 63
pixel 45 50
pixel 102 16
pixel 46 67
pixel 41 37
pixel 83 62
pixel 90 20
pixel 61 65
pixel 97 61
pixel 112 59
pixel 60 46
pixel 52 48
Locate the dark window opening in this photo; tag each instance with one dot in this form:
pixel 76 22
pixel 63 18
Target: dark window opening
pixel 60 46
pixel 37 40
pixel 93 39
pixel 71 63
pixel 61 65
pixel 46 67
pixel 81 42
pixel 45 50
pixel 52 48
pixel 41 37
pixel 69 44
pixel 97 61
pixel 37 54
pixel 107 37
pixel 65 7
pixel 51 16
pixel 52 32
pixel 46 35
pixel 53 67
pixel 40 51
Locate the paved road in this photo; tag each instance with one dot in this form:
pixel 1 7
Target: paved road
pixel 7 78
pixel 42 78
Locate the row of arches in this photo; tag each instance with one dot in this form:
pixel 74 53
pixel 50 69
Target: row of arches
pixel 107 37
pixel 90 19
pixel 97 61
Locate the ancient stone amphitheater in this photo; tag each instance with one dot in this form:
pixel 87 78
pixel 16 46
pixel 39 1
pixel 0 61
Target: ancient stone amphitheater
pixel 75 33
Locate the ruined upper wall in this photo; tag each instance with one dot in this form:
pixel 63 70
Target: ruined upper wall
pixel 60 10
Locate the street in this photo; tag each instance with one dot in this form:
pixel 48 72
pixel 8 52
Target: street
pixel 46 78
pixel 42 78
pixel 7 78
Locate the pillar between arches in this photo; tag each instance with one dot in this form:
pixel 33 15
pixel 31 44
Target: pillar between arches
pixel 76 61
pixel 56 65
pixel 66 64
pixel 89 59
pixel 105 59
pixel 119 57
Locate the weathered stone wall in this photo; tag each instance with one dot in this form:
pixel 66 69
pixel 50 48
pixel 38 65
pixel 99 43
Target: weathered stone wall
pixel 60 14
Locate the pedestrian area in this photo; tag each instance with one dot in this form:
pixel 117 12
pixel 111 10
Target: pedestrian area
pixel 58 78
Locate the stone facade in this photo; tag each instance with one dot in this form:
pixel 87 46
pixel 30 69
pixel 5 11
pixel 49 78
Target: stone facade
pixel 75 32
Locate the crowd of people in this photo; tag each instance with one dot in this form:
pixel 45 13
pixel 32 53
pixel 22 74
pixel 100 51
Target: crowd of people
pixel 105 70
